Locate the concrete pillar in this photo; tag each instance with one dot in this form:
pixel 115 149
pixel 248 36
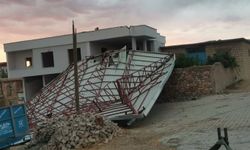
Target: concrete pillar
pixel 145 45
pixel 43 79
pixel 88 49
pixel 133 43
pixel 153 46
pixel 24 91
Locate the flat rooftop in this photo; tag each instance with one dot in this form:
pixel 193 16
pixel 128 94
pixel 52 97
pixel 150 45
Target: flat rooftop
pixel 206 43
pixel 86 36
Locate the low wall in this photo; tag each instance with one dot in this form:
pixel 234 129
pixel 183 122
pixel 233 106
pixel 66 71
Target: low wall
pixel 192 82
pixel 10 91
pixel 224 77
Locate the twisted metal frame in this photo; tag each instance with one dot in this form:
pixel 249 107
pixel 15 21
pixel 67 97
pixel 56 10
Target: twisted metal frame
pixel 99 90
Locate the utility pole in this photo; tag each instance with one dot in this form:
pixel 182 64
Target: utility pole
pixel 74 33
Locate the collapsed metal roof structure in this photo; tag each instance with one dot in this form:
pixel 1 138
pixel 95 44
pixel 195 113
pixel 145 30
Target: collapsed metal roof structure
pixel 119 85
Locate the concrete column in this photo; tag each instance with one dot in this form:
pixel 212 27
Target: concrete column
pixel 43 79
pixel 145 45
pixel 24 91
pixel 133 43
pixel 153 46
pixel 88 50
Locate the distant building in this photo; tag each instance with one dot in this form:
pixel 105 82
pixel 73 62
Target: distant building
pixel 239 48
pixel 39 61
pixel 3 70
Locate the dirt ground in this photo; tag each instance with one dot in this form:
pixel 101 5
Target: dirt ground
pixel 190 125
pixel 241 86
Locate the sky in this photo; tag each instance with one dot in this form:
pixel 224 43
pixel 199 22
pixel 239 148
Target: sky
pixel 181 21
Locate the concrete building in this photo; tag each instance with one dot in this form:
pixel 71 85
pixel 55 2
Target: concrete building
pixel 239 48
pixel 39 61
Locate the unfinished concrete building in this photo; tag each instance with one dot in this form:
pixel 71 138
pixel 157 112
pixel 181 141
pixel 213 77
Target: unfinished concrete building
pixel 39 61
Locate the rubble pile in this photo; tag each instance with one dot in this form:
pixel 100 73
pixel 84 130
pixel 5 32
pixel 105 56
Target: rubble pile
pixel 74 132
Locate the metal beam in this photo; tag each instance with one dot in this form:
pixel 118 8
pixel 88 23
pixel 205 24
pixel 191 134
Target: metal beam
pixel 75 68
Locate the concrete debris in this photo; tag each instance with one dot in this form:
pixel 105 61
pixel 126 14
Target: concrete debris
pixel 73 132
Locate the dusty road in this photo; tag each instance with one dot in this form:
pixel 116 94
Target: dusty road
pixel 189 125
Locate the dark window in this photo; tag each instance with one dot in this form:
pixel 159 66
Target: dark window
pixel 70 53
pixel 28 62
pixel 103 49
pixel 48 59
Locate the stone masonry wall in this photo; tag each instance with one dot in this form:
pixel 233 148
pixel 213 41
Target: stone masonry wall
pixel 190 83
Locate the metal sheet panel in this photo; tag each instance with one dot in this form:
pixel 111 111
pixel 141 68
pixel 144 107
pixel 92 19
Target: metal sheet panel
pixel 117 84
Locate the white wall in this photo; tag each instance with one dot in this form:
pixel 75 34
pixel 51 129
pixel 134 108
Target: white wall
pixel 11 60
pixel 16 60
pixel 18 69
pixel 89 42
pixel 102 34
pixel 95 47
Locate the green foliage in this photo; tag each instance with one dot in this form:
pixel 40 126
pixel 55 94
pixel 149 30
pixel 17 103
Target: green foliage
pixel 182 61
pixel 225 58
pixel 3 74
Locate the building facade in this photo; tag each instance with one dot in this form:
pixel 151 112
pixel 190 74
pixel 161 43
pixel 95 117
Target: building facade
pixel 39 61
pixel 239 48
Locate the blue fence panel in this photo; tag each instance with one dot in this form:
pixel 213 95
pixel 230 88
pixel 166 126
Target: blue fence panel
pixel 13 125
pixel 21 121
pixel 21 124
pixel 5 113
pixel 6 128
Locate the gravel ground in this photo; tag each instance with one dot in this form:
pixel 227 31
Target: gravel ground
pixel 189 125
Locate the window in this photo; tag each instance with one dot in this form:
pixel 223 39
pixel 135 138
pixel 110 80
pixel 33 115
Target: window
pixel 28 62
pixel 249 52
pixel 103 49
pixel 70 54
pixel 48 59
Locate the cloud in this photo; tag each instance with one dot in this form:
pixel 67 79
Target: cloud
pixel 181 21
pixel 17 2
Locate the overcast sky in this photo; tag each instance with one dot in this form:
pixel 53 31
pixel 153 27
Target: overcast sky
pixel 181 21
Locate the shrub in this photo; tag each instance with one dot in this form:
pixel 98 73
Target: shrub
pixel 182 61
pixel 3 74
pixel 225 58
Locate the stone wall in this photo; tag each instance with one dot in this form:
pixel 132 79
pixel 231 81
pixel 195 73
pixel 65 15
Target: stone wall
pixel 10 91
pixel 190 83
pixel 239 50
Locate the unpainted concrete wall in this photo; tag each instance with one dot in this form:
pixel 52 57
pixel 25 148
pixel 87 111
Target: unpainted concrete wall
pixel 223 77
